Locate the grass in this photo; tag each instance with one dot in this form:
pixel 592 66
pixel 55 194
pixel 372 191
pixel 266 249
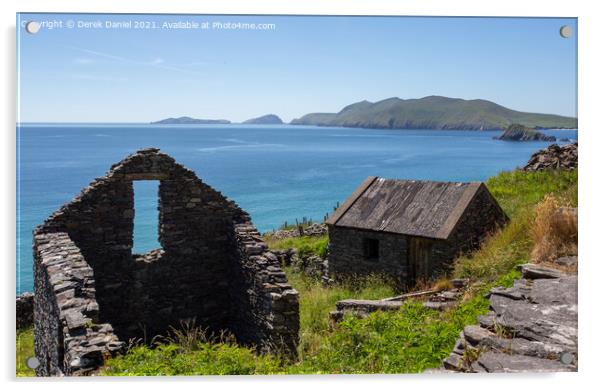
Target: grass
pixel 409 340
pixel 202 358
pixel 317 300
pixel 305 245
pixel 24 351
pixel 518 194
pixel 405 341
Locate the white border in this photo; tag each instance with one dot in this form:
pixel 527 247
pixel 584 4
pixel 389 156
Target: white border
pixel 589 137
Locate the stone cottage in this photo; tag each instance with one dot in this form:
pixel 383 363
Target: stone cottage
pixel 409 229
pixel 93 295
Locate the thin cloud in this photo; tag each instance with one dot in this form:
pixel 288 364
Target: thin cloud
pixel 157 62
pixel 84 61
pixel 92 77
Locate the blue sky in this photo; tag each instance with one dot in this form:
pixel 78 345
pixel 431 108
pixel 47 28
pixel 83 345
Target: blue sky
pixel 306 64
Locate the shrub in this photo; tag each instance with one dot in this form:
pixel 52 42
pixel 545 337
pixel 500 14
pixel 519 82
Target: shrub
pixel 553 231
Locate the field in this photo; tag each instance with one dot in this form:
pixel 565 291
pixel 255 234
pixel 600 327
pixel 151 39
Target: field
pixel 410 340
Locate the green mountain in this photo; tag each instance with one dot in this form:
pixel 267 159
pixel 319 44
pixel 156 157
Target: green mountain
pixel 434 112
pixel 269 119
pixel 186 120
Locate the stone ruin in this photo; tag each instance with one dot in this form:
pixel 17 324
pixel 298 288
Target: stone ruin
pixel 93 295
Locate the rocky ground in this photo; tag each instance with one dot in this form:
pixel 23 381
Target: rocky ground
pixel 554 157
pixel 313 230
pixel 432 299
pixel 532 326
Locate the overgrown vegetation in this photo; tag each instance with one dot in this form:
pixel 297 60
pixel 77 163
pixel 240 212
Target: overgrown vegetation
pixel 305 245
pixel 189 351
pixel 317 300
pixel 409 340
pixel 554 231
pixel 24 351
pixel 518 193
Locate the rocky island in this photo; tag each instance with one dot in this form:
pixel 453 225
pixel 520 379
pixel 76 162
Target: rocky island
pixel 269 119
pixel 186 120
pixel 516 132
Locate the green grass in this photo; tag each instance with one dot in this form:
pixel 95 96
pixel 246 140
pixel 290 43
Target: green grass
pixel 409 340
pixel 405 341
pixel 518 193
pixel 317 300
pixel 24 351
pixel 202 359
pixel 305 245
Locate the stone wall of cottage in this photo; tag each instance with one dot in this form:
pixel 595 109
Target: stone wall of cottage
pixel 347 253
pixel 346 246
pixel 212 267
pixel 480 219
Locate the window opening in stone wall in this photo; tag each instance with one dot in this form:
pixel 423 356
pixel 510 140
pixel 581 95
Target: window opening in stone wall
pixel 146 216
pixel 371 249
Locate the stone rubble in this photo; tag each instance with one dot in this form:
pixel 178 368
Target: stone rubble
pixel 554 157
pixel 313 230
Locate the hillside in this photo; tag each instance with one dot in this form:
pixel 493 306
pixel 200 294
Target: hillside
pixel 269 119
pixel 433 112
pixel 186 120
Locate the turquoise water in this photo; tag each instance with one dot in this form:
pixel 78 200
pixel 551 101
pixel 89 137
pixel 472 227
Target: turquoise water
pixel 276 173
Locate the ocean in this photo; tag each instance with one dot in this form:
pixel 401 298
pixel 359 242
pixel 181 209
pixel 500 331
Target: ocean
pixel 276 173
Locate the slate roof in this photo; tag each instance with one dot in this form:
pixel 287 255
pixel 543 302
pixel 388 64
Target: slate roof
pixel 411 207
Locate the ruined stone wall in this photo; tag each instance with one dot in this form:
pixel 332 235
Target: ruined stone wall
pixel 480 219
pixel 206 269
pixel 68 336
pixel 24 313
pixel 267 307
pixel 347 257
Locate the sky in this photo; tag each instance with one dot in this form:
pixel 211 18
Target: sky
pixel 300 64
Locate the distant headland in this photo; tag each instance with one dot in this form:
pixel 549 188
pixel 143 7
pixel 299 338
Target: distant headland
pixel 434 112
pixel 431 112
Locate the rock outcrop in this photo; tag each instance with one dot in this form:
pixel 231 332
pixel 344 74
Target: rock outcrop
pixel 517 132
pixel 554 157
pixel 532 327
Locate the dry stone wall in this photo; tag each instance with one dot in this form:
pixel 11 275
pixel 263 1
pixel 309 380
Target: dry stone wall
pixel 24 314
pixel 212 267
